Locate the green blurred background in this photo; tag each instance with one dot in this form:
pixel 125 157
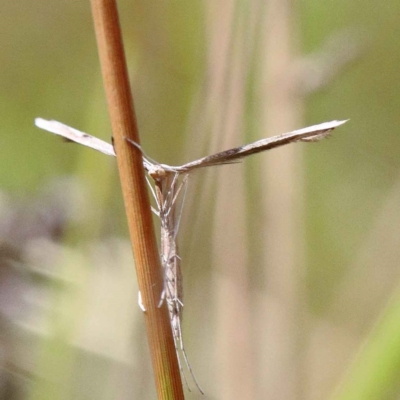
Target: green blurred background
pixel 290 259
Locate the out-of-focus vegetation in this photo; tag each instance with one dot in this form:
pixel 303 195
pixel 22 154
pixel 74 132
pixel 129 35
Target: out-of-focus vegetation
pixel 291 260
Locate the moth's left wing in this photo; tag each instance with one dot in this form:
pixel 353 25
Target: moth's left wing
pixel 76 136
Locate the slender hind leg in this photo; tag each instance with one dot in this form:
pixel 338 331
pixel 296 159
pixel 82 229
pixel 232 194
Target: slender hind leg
pixel 140 302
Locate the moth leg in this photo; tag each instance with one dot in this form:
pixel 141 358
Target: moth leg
pixel 162 298
pixel 154 196
pixel 189 367
pixel 140 302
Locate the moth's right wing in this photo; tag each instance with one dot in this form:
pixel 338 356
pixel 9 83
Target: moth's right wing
pixel 309 134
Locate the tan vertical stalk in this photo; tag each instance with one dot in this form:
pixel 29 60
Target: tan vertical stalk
pixel 228 69
pixel 288 78
pixel 137 205
pixel 282 182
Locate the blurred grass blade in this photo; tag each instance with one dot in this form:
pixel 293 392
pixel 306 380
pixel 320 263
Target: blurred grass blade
pixel 375 373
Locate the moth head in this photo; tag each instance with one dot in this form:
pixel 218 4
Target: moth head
pixel 157 172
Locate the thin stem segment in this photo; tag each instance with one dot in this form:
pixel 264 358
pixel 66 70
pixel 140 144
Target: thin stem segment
pixel 137 204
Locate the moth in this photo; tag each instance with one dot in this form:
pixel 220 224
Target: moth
pixel 170 185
